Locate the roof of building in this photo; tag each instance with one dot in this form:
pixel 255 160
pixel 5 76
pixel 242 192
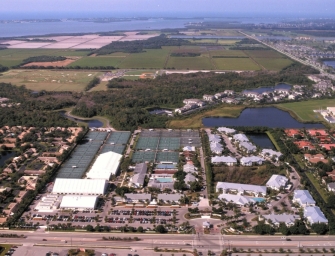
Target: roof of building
pixel 247 145
pixel 79 186
pixel 141 168
pixel 292 132
pixel 84 202
pixel 303 196
pixel 214 138
pixel 189 148
pixel 281 218
pixel 140 196
pixel 314 215
pixel 189 168
pixel 169 197
pixel 105 165
pixel 315 132
pixel 236 199
pixel 253 159
pixel 189 178
pixel 277 181
pixel 223 159
pixel 138 178
pixel 315 158
pixel 240 137
pixel 331 185
pixel 241 187
pixel 304 144
pixel 270 152
pixel 226 130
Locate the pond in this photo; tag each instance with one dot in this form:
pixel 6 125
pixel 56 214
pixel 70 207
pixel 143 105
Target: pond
pixel 269 89
pixel 261 140
pixel 267 117
pixel 330 63
pixel 92 123
pixel 4 156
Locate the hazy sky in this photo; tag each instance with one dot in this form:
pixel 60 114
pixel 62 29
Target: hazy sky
pixel 114 7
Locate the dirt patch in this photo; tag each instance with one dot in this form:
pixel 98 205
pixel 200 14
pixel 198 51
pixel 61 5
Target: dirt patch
pixel 147 75
pixel 62 63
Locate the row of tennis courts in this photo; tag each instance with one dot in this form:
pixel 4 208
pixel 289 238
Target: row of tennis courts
pixel 157 157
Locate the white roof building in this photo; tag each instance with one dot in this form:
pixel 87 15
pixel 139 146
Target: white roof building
pixel 140 171
pixel 189 148
pixel 135 198
pixel 189 168
pixel 249 161
pixel 228 160
pixel 271 153
pixel 240 137
pixel 189 178
pixel 169 197
pixel 79 186
pixel 276 219
pixel 303 197
pixel 216 147
pixel 248 147
pixel 276 182
pixel 236 199
pixel 313 214
pixel 241 188
pixel 105 165
pixel 226 130
pixel 214 138
pixel 79 202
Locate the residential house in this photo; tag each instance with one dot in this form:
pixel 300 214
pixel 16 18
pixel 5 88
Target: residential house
pixel 277 219
pixel 251 160
pixel 207 97
pixel 313 214
pixel 304 145
pixel 214 138
pixel 277 182
pixel 189 178
pixel 219 95
pixel 229 92
pixel 331 186
pixel 216 148
pixel 271 153
pixel 189 168
pixel 189 148
pixel 240 137
pixel 170 198
pixel 248 147
pixel 226 130
pixel 315 158
pixel 227 160
pixel 293 132
pixel 230 100
pixel 236 199
pixel 303 198
pixel 241 189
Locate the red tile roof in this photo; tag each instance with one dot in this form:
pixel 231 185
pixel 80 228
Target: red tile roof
pixel 328 146
pixel 315 132
pixel 303 144
pixel 292 132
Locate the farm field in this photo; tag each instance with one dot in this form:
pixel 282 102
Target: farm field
pixel 275 64
pixel 97 61
pixel 235 64
pixel 151 58
pixel 12 57
pixel 49 80
pixel 228 53
pixel 303 110
pixel 201 62
pixel 194 121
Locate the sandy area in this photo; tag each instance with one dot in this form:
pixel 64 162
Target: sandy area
pixel 53 63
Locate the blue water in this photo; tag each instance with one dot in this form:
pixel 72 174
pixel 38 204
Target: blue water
pixel 91 123
pixel 269 89
pixel 164 180
pixel 6 156
pixel 330 63
pixel 258 199
pixel 261 140
pixel 267 117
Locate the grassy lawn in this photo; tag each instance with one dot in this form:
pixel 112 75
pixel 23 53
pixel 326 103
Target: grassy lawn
pixel 274 142
pixel 195 120
pixel 6 248
pixel 152 58
pixel 317 186
pixel 97 61
pixel 303 110
pixel 49 80
pixel 275 64
pixel 235 64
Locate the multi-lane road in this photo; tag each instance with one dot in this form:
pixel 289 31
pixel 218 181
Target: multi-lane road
pixel 192 241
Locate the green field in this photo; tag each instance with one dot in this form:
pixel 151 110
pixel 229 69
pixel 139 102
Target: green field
pixel 49 80
pixel 97 61
pixel 304 110
pixel 237 53
pixel 263 54
pixel 273 64
pixel 190 63
pixel 12 57
pixel 152 58
pixel 235 64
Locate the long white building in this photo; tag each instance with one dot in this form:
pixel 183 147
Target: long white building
pixel 104 166
pixel 79 186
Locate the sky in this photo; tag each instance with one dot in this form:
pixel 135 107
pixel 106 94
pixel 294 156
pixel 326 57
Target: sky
pixel 115 8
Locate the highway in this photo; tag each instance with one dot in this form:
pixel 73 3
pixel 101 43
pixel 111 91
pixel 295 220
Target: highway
pixel 213 242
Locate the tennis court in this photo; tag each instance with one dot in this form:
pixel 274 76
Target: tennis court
pixel 100 136
pixel 169 143
pixel 143 156
pixel 114 148
pixel 172 157
pixel 147 143
pixel 118 138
